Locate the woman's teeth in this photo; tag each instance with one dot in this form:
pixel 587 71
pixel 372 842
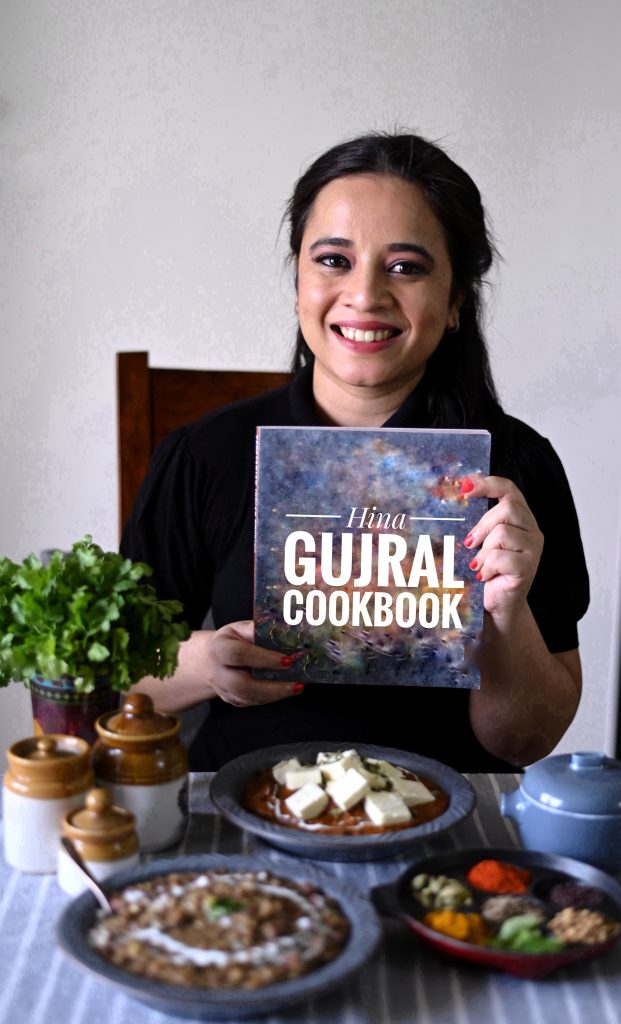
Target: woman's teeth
pixel 353 334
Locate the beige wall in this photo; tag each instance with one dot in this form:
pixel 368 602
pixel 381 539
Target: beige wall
pixel 146 153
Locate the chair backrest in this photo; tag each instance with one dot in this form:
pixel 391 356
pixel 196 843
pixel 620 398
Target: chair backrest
pixel 152 401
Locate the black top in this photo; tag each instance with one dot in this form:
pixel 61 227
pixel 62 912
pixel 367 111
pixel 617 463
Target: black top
pixel 193 522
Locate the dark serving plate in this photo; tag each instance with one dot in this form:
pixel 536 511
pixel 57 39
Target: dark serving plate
pixel 223 1004
pixel 227 789
pixel 547 870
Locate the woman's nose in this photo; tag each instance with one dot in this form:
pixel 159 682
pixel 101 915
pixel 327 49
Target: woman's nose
pixel 367 288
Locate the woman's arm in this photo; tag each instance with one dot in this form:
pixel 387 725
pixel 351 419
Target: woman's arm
pixel 528 696
pixel 217 663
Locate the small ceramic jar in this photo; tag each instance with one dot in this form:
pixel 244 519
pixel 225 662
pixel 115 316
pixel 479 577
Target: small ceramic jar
pixel 47 776
pixel 570 804
pixel 141 760
pixel 104 836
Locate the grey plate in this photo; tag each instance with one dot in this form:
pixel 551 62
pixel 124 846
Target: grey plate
pixel 227 788
pixel 81 913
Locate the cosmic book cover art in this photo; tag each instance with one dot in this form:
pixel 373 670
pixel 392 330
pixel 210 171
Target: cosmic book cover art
pixel 361 575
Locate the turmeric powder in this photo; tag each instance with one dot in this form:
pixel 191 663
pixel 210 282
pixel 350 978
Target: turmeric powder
pixel 458 925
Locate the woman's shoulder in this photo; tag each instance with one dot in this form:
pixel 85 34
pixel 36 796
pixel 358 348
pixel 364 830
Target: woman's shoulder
pixel 517 448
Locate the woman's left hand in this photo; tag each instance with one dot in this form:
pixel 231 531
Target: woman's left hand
pixel 509 544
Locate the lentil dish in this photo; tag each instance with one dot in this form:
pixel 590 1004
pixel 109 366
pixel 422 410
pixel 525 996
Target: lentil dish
pixel 220 929
pixel 344 793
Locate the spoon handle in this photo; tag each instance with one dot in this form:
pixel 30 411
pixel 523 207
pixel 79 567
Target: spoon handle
pixel 92 882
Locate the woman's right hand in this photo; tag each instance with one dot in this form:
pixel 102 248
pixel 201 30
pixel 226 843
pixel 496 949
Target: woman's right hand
pixel 229 657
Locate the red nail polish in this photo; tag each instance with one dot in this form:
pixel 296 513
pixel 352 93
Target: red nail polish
pixel 287 660
pixel 473 563
pixel 479 576
pixel 297 687
pixel 466 486
pixel 468 541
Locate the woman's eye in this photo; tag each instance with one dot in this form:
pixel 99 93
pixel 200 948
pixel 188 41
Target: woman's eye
pixel 407 267
pixel 332 259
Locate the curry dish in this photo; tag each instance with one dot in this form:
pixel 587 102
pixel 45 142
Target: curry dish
pixel 344 793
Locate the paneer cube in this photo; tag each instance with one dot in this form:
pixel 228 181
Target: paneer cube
pixel 375 779
pixel 412 791
pixel 349 789
pixel 386 809
pixel 295 778
pixel 279 770
pixel 334 764
pixel 391 771
pixel 307 802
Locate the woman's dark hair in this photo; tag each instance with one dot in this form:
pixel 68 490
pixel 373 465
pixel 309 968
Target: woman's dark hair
pixel 458 380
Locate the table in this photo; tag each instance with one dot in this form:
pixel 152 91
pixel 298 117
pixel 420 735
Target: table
pixel 404 983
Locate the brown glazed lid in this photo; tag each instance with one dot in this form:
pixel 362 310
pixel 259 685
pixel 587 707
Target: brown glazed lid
pixel 49 767
pixel 101 830
pixel 139 745
pixel 137 720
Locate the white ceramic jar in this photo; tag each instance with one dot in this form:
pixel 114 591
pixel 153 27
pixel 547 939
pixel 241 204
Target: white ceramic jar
pixel 104 836
pixel 140 759
pixel 47 776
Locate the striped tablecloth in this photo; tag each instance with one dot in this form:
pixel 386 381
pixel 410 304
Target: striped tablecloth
pixel 404 983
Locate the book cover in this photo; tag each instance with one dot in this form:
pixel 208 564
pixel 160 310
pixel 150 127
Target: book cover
pixel 360 572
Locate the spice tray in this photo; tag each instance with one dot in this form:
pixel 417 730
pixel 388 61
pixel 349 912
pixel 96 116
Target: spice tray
pixel 546 870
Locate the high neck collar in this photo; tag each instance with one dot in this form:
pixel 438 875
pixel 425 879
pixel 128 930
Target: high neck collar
pixel 411 413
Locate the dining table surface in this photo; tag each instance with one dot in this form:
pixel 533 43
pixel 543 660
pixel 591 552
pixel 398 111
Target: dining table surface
pixel 404 981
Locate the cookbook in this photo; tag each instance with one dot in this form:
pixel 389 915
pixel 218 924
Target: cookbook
pixel 361 575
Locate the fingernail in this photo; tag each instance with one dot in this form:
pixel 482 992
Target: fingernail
pixel 479 576
pixel 468 541
pixel 297 687
pixel 287 661
pixel 466 486
pixel 473 563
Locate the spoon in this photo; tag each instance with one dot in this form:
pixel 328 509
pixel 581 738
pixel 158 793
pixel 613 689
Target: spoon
pixel 90 880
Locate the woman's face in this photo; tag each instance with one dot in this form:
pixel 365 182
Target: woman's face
pixel 374 286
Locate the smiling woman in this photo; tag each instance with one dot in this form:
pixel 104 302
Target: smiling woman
pixel 390 247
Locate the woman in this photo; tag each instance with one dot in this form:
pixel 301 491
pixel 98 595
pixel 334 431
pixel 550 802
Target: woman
pixel 390 246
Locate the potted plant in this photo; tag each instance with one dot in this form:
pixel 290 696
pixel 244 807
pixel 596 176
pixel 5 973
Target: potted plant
pixel 79 630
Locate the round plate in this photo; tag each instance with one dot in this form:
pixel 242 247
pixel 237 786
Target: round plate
pixel 224 1004
pixel 547 869
pixel 227 790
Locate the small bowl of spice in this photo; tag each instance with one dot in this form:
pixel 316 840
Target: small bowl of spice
pixel 518 911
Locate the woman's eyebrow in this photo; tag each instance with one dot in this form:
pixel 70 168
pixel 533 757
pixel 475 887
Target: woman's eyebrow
pixel 411 247
pixel 344 242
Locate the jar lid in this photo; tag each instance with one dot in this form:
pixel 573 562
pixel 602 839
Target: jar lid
pixel 137 720
pixel 49 766
pixel 99 820
pixel 53 747
pixel 586 782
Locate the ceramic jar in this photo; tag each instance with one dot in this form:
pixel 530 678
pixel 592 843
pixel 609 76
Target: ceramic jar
pixel 47 776
pixel 140 759
pixel 104 836
pixel 570 804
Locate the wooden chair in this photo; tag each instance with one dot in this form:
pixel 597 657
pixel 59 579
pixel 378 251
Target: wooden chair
pixel 152 401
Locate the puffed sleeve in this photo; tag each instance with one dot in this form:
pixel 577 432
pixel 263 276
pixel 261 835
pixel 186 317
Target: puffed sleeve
pixel 165 528
pixel 559 596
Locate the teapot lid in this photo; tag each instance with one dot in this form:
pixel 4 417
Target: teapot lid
pixel 137 719
pixel 585 782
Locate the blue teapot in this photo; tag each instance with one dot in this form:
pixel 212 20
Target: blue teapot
pixel 570 804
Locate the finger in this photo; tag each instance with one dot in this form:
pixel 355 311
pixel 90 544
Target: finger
pixel 240 689
pixel 479 486
pixel 515 567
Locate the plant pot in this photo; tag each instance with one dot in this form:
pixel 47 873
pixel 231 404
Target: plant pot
pixel 58 708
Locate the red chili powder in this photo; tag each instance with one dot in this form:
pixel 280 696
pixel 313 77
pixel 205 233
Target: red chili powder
pixel 496 876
